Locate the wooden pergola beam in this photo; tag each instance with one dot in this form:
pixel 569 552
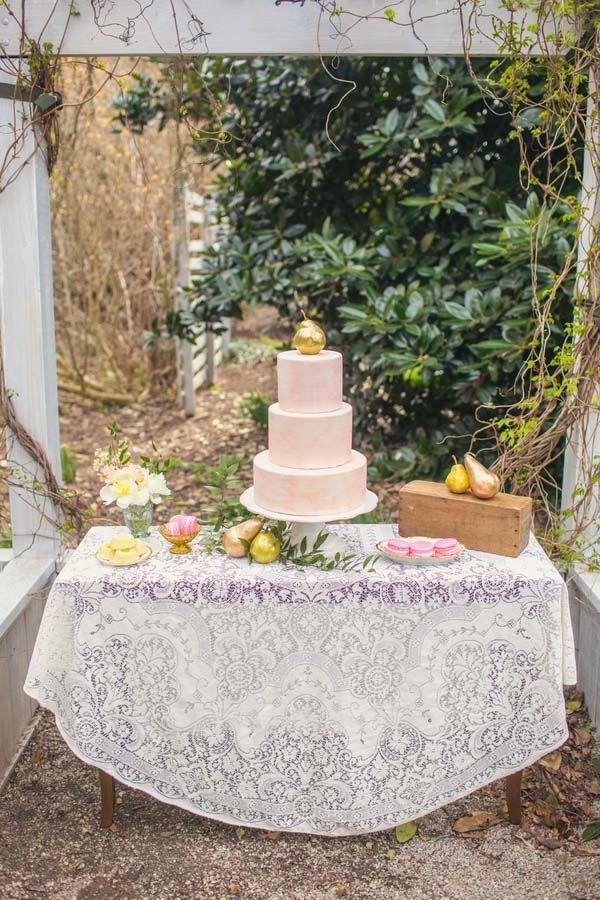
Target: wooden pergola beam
pixel 266 28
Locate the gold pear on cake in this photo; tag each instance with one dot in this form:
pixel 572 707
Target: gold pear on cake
pixel 309 338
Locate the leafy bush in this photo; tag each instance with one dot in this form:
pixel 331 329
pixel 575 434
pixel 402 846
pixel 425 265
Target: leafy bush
pixel 411 242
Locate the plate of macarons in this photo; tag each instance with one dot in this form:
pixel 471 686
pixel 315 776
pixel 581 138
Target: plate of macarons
pixel 123 550
pixel 421 551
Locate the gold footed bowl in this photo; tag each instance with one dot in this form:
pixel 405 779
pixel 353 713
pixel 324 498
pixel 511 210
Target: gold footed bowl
pixel 180 543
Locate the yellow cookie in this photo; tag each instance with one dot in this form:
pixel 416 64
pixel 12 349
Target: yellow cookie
pixel 126 556
pixel 140 548
pixel 106 552
pixel 122 541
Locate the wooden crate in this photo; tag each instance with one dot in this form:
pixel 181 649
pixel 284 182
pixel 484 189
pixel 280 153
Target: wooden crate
pixel 500 525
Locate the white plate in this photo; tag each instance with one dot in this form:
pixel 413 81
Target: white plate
pixel 419 560
pixel 106 562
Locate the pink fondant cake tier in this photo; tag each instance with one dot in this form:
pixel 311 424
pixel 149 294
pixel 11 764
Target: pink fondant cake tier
pixel 310 440
pixel 309 384
pixel 310 492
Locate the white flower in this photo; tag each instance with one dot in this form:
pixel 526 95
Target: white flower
pixel 157 487
pixel 126 491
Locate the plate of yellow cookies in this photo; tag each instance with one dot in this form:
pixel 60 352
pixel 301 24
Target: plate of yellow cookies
pixel 123 550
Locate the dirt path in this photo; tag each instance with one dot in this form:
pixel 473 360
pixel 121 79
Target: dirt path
pixel 51 848
pixel 217 428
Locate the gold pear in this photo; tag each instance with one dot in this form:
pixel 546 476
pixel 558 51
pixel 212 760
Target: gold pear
pixel 484 484
pixel 457 479
pixel 245 531
pixel 309 337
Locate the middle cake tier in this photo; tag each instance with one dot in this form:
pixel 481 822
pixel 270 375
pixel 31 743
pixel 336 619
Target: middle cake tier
pixel 309 440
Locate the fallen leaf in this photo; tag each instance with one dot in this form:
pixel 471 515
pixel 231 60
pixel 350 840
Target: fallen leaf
pixel 573 705
pixel 391 854
pixel 596 766
pixel 432 838
pixel 405 832
pixel 269 836
pixel 233 888
pixel 166 833
pixel 341 890
pixel 586 851
pixel 549 842
pixel 475 822
pixel 591 832
pixel 552 760
pixel 240 832
pixel 583 736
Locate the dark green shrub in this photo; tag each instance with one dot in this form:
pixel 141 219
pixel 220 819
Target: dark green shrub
pixel 412 244
pixel 410 240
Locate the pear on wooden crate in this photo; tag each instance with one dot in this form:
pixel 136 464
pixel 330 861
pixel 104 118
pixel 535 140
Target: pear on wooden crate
pixel 457 479
pixel 483 483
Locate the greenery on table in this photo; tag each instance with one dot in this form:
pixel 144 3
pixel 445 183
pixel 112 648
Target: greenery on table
pixel 411 243
pixel 302 555
pixel 223 484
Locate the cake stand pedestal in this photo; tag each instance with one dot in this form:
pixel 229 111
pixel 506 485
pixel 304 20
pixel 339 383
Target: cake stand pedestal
pixel 310 527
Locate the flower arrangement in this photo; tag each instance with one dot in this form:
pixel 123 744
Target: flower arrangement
pixel 128 483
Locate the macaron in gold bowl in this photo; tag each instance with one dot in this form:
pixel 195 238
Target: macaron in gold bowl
pixel 180 543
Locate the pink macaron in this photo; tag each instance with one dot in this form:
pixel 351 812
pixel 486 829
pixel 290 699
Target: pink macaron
pixel 446 547
pixel 398 546
pixel 421 548
pixel 178 525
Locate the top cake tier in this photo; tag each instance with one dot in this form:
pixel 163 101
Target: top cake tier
pixel 309 384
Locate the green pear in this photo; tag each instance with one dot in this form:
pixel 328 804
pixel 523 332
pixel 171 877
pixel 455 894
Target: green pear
pixel 457 479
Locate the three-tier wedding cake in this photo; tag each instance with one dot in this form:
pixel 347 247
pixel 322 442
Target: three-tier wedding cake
pixel 310 468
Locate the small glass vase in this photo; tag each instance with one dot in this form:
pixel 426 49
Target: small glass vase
pixel 139 519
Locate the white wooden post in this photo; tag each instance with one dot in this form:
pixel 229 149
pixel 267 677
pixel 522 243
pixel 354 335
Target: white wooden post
pixel 183 349
pixel 583 444
pixel 27 329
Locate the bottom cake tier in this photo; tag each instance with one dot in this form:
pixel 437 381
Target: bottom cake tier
pixel 310 492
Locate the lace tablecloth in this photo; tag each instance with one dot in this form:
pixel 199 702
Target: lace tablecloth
pixel 324 702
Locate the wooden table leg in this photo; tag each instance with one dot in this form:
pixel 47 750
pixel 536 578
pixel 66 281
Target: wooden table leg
pixel 107 799
pixel 512 785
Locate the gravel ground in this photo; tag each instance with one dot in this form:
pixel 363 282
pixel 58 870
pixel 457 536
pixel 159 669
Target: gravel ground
pixel 52 847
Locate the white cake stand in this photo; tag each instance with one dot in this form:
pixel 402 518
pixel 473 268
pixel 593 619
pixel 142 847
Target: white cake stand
pixel 310 527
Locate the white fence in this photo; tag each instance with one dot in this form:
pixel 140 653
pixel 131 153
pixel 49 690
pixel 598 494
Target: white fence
pixel 197 362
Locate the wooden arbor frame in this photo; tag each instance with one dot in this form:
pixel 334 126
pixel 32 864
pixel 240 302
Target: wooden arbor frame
pixel 164 28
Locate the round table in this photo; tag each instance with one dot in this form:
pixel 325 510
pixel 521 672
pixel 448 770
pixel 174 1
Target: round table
pixel 316 701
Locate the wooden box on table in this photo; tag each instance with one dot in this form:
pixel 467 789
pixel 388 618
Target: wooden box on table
pixel 500 525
